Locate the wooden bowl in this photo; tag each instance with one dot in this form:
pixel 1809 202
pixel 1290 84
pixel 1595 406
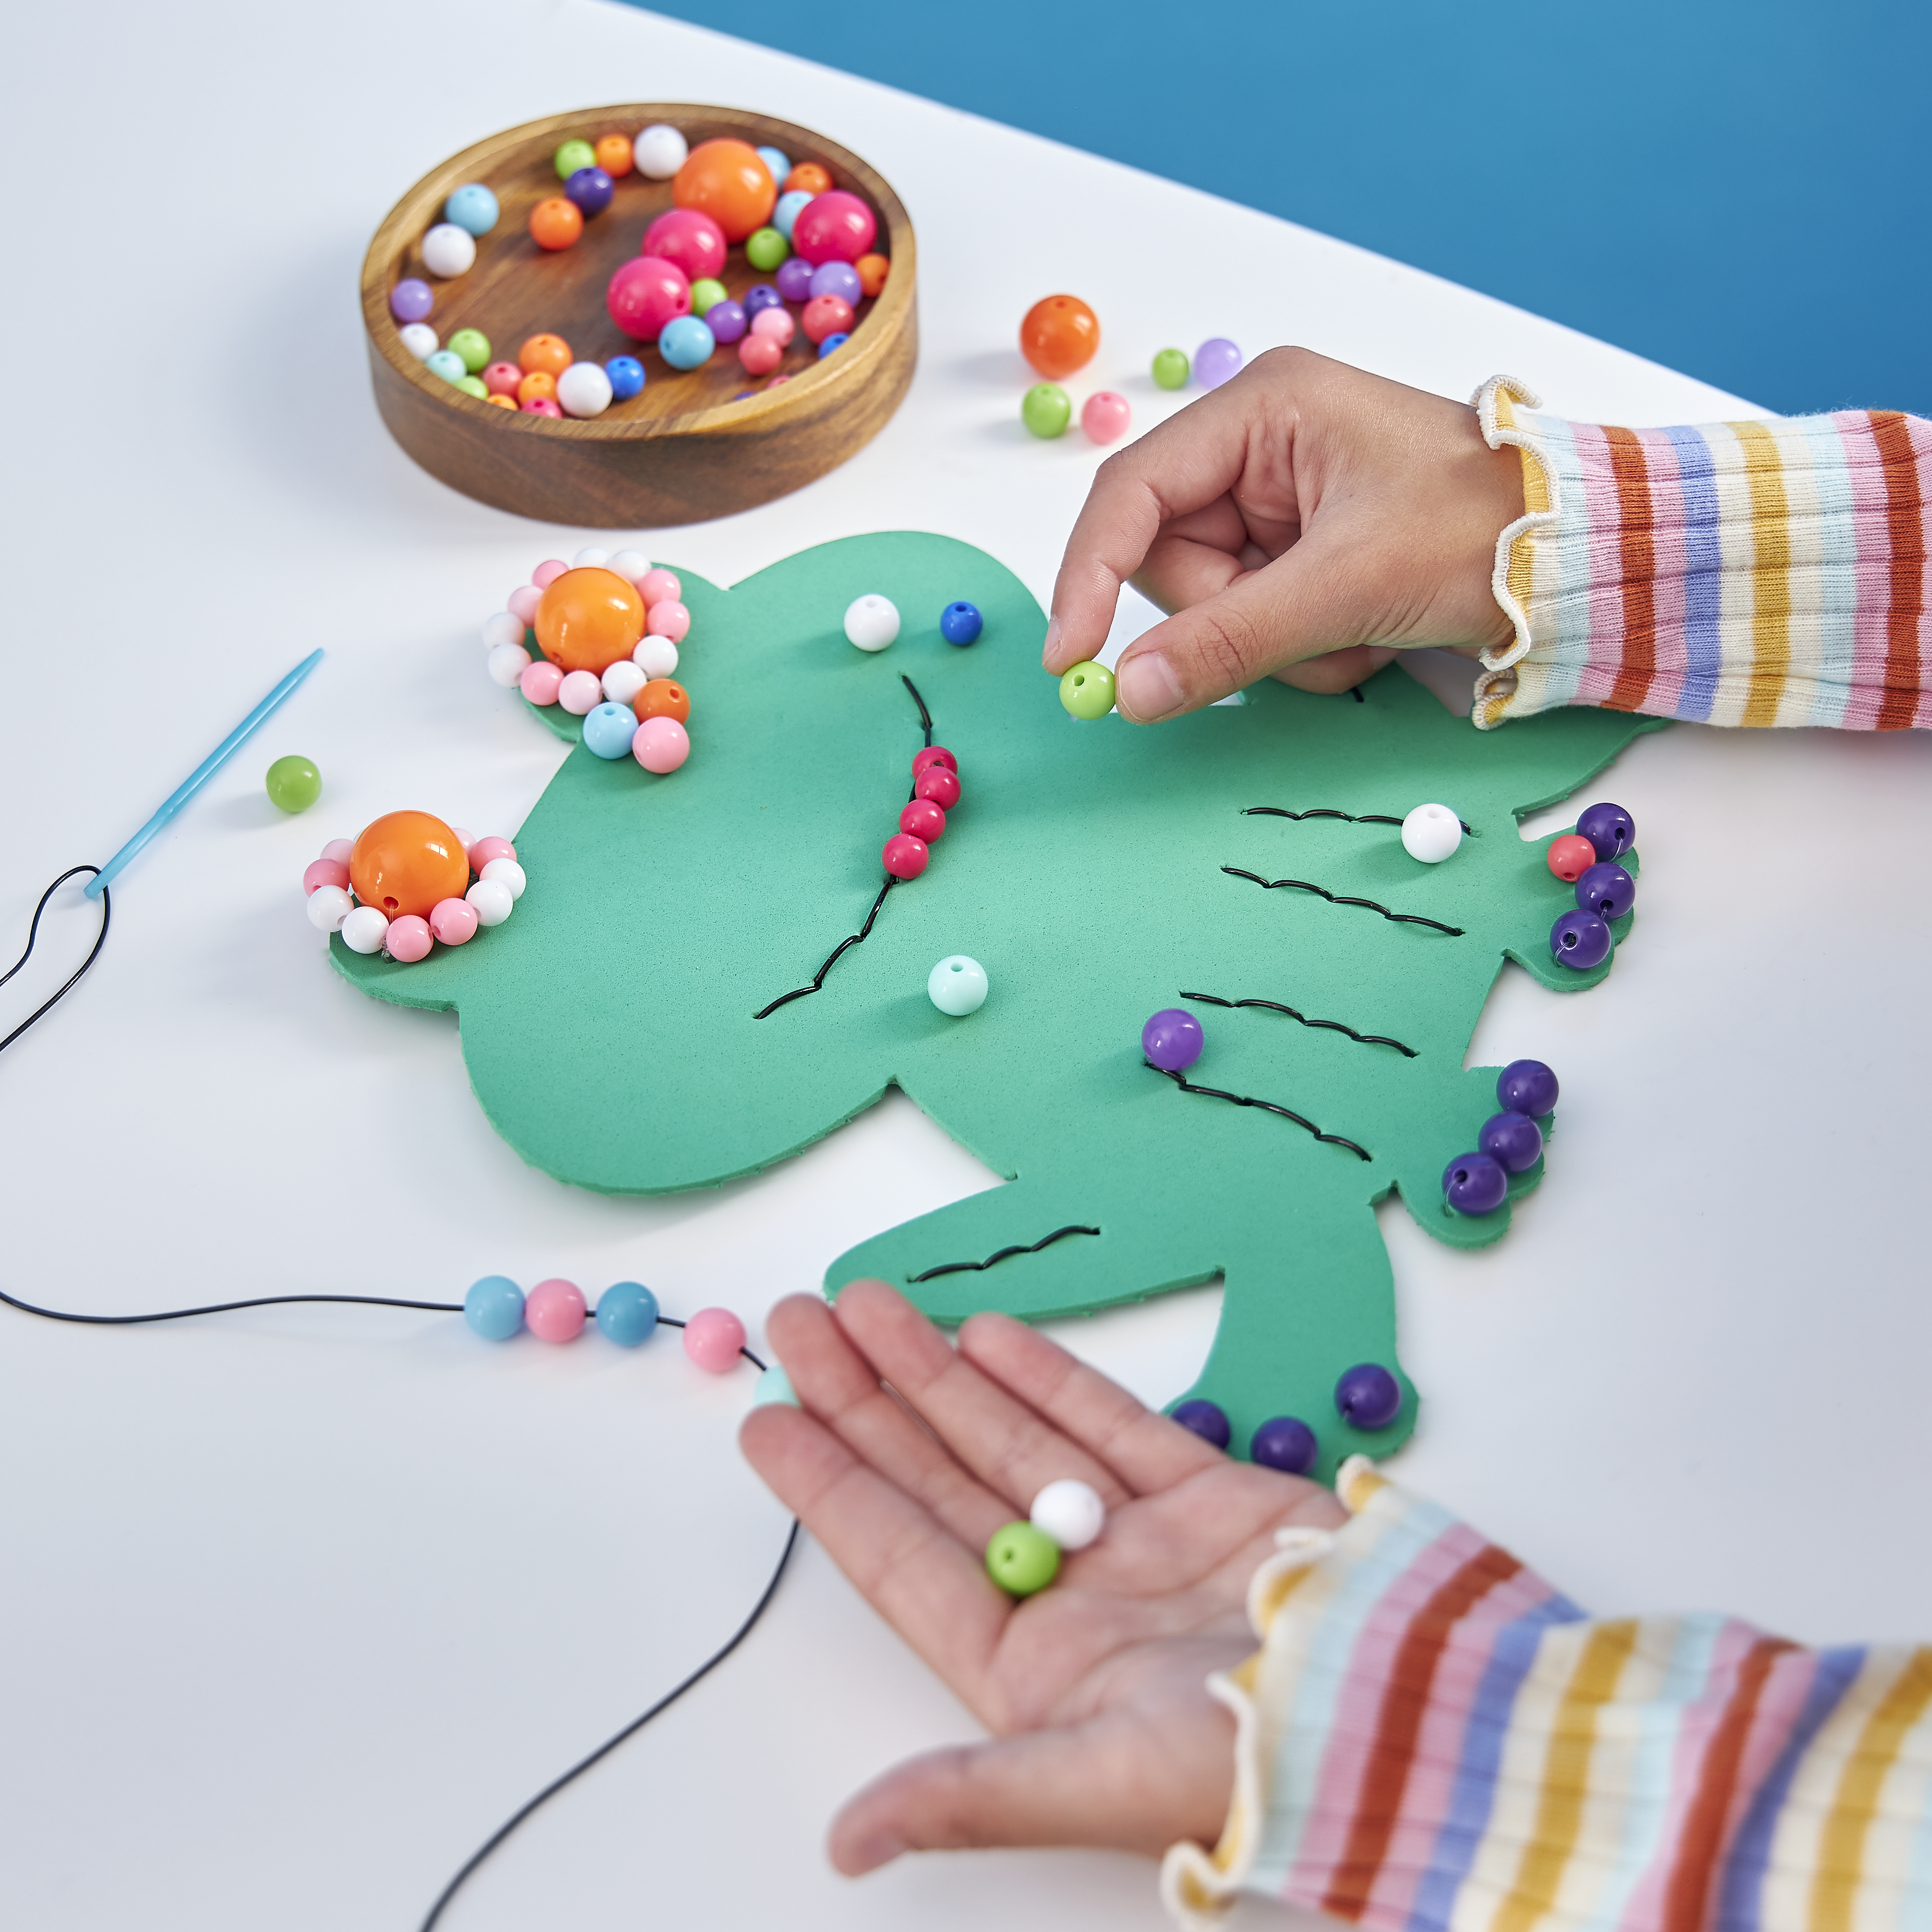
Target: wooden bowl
pixel 682 450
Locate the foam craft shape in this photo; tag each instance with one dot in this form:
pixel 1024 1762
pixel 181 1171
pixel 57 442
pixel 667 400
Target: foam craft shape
pixel 608 1027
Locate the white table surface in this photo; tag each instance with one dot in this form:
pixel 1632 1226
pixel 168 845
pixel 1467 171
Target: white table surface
pixel 297 1606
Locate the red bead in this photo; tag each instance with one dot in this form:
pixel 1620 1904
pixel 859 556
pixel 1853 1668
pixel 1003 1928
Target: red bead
pixel 923 820
pixel 1571 857
pixel 939 785
pixel 826 315
pixel 905 857
pixel 934 755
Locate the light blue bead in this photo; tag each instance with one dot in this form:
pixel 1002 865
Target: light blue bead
pixel 494 1307
pixel 832 342
pixel 608 730
pixel 775 159
pixel 685 343
pixel 447 364
pixel 627 377
pixel 627 1311
pixel 786 213
pixel 774 1385
pixel 472 207
pixel 957 986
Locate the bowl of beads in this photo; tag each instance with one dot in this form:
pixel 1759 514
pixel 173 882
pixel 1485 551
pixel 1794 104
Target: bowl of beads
pixel 644 314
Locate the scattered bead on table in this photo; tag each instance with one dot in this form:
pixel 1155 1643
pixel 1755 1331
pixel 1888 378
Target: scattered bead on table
pixel 871 621
pixel 1172 1040
pixel 957 986
pixel 1059 335
pixel 961 623
pixel 1431 833
pixel 293 784
pixel 1172 369
pixel 1215 361
pixel 1104 416
pixel 1046 409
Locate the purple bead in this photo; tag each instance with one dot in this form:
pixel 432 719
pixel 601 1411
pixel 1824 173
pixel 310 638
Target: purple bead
pixel 1607 890
pixel 1581 939
pixel 591 189
pixel 762 296
pixel 1215 361
pixel 411 300
pixel 1475 1184
pixel 794 279
pixel 1514 1139
pixel 837 278
pixel 1288 1444
pixel 1172 1040
pixel 727 320
pixel 1609 828
pixel 1207 1419
pixel 1368 1396
pixel 1527 1087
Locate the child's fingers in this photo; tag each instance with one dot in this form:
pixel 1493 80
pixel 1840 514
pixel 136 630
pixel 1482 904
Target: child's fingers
pixel 1338 670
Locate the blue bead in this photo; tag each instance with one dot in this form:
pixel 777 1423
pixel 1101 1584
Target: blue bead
pixel 447 364
pixel 762 296
pixel 685 343
pixel 494 1307
pixel 960 624
pixel 627 1312
pixel 773 1386
pixel 473 209
pixel 1172 1040
pixel 777 163
pixel 591 189
pixel 608 730
pixel 1286 1443
pixel 1207 1419
pixel 1526 1087
pixel 627 377
pixel 1607 890
pixel 786 212
pixel 1368 1396
pixel 1513 1140
pixel 838 340
pixel 1581 939
pixel 1609 828
pixel 1475 1184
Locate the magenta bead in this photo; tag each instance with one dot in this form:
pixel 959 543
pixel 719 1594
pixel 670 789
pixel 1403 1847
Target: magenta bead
pixel 835 226
pixel 668 618
pixel 711 1339
pixel 690 238
pixel 658 586
pixel 940 785
pixel 480 854
pixel 540 682
pixel 408 939
pixel 546 574
pixel 647 293
pixel 934 754
pixel 453 921
pixel 554 1311
pixel 1105 416
pixel 324 872
pixel 904 855
pixel 523 603
pixel 661 744
pixel 541 405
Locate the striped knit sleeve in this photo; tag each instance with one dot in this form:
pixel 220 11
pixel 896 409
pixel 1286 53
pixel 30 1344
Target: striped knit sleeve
pixel 1431 1739
pixel 1746 573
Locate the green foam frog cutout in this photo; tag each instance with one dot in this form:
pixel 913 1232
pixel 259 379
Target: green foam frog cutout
pixel 610 1026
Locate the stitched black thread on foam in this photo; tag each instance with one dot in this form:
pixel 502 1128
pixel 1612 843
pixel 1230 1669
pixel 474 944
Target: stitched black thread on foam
pixel 1003 1254
pixel 33 933
pixel 1342 898
pixel 1328 812
pixel 1328 1026
pixel 1187 1086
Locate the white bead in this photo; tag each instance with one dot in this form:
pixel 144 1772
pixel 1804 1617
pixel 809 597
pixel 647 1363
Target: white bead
pixel 1070 1511
pixel 631 564
pixel 590 557
pixel 419 339
pixel 871 621
pixel 329 906
pixel 583 390
pixel 580 692
pixel 364 930
pixel 957 986
pixel 507 662
pixel 502 628
pixel 1431 833
pixel 655 657
pixel 506 871
pixel 658 151
pixel 622 681
pixel 447 249
pixel 492 899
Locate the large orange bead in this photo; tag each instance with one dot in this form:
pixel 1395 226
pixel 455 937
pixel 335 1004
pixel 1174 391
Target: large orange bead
pixel 408 861
pixel 662 698
pixel 726 180
pixel 1059 336
pixel 588 618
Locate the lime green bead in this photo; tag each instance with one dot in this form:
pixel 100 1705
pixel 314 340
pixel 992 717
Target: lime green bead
pixel 1047 410
pixel 1088 690
pixel 767 249
pixel 1022 1559
pixel 1170 369
pixel 705 293
pixel 471 385
pixel 473 345
pixel 294 784
pixel 573 155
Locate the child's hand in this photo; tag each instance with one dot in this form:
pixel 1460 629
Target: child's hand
pixel 1104 1734
pixel 1303 519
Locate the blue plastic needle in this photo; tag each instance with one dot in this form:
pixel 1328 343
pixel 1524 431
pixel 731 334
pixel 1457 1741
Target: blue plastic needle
pixel 199 776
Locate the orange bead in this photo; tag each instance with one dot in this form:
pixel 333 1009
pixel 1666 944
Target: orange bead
pixel 408 861
pixel 873 270
pixel 556 223
pixel 537 382
pixel 1059 336
pixel 726 180
pixel 808 178
pixel 613 155
pixel 503 402
pixel 550 353
pixel 662 698
pixel 588 618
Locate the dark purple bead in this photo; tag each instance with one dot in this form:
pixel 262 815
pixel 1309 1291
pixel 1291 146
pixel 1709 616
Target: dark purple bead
pixel 1607 890
pixel 1609 828
pixel 794 279
pixel 1207 1419
pixel 591 189
pixel 1475 1184
pixel 1526 1087
pixel 1368 1396
pixel 1172 1040
pixel 1514 1139
pixel 1287 1443
pixel 727 321
pixel 762 296
pixel 1581 939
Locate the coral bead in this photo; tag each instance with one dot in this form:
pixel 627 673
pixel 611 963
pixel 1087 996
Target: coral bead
pixel 713 1336
pixel 824 315
pixel 939 784
pixel 834 226
pixel 662 698
pixel 554 1311
pixel 324 872
pixel 501 379
pixel 690 238
pixel 453 921
pixel 647 293
pixel 667 618
pixel 406 862
pixel 727 180
pixel 904 855
pixel 1070 1511
pixel 1059 336
pixel 1571 857
pixel 661 744
pixel 408 939
pixel 1105 416
pixel 922 818
pixel 587 619
pixel 760 355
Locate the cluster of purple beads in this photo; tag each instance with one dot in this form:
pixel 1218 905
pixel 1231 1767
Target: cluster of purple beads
pixel 1582 939
pixel 1478 1183
pixel 1368 1397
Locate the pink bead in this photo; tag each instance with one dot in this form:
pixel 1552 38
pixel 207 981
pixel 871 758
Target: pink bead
pixel 668 618
pixel 661 744
pixel 934 754
pixel 835 226
pixel 760 355
pixel 580 692
pixel 453 921
pixel 554 1311
pixel 485 850
pixel 340 850
pixel 545 574
pixel 541 405
pixel 690 238
pixel 408 939
pixel 324 872
pixel 712 1338
pixel 465 839
pixel 939 784
pixel 905 857
pixel 522 603
pixel 1104 416
pixel 656 585
pixel 775 322
pixel 540 682
pixel 776 380
pixel 824 315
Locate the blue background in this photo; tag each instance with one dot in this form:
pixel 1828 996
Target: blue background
pixel 1740 191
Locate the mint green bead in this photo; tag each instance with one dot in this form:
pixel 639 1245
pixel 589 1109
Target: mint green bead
pixel 767 249
pixel 473 345
pixel 294 784
pixel 1022 1559
pixel 571 156
pixel 1088 690
pixel 1171 369
pixel 704 293
pixel 1047 410
pixel 773 1386
pixel 471 385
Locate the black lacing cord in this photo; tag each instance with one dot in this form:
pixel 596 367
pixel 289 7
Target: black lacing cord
pixel 33 933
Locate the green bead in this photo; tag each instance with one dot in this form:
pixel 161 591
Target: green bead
pixel 472 345
pixel 1170 369
pixel 294 784
pixel 1022 1559
pixel 767 249
pixel 471 385
pixel 1047 410
pixel 704 293
pixel 573 155
pixel 1088 690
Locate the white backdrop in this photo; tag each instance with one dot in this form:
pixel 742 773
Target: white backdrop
pixel 297 1606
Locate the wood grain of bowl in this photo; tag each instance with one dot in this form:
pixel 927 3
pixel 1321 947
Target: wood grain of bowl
pixel 684 449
